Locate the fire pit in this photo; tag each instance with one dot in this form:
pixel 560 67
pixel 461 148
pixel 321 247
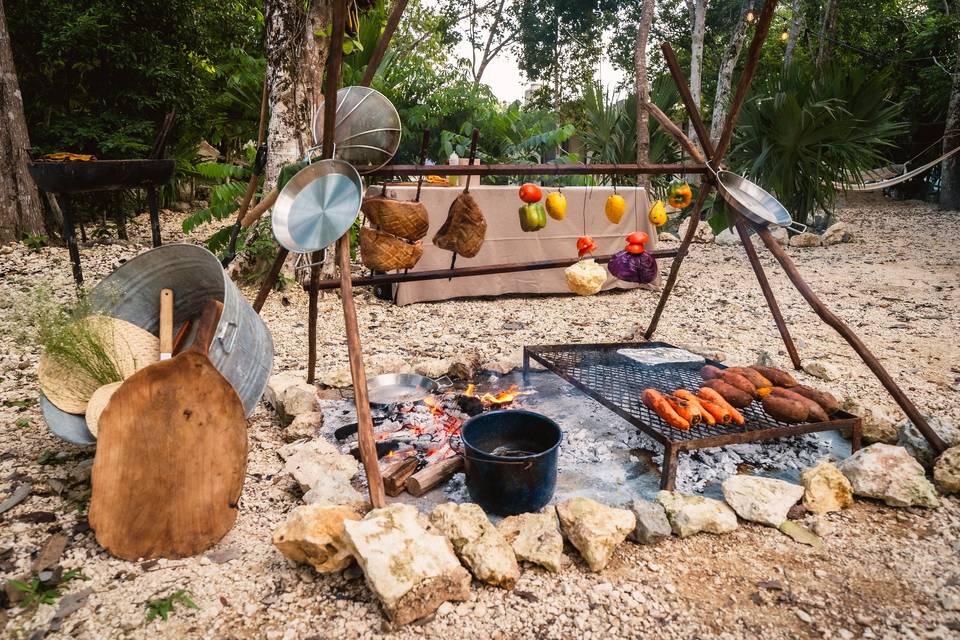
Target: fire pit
pixel 616 382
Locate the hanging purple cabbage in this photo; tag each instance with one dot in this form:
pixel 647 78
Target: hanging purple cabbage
pixel 633 267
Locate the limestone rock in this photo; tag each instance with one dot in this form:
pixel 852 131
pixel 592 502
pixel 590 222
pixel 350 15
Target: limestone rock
pixel 825 489
pixel 433 367
pixel 876 424
pixel 652 524
pixel 891 474
pixel 821 369
pixel 290 395
pixel 334 489
pixel 805 239
pixel 763 500
pixel 595 529
pixel 314 535
pixel 727 237
pixel 692 514
pixel 835 234
pixel 304 426
pixel 666 236
pixel 316 459
pixel 337 379
pixel 946 471
pixel 780 235
pixel 916 445
pixel 535 537
pixel 477 542
pixel 410 570
pixel 387 363
pixel 800 533
pixel 703 234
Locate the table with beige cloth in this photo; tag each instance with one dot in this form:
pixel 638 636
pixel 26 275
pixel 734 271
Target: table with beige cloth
pixel 507 243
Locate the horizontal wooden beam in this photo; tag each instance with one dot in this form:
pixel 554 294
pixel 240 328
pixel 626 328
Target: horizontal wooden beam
pixel 483 170
pixel 462 272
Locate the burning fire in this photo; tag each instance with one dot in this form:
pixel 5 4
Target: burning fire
pixel 435 407
pixel 502 397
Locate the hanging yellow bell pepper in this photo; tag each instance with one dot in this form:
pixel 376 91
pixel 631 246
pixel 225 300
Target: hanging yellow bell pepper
pixel 679 195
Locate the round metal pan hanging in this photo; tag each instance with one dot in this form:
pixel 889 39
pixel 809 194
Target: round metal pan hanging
pixel 367 130
pixel 753 202
pixel 317 206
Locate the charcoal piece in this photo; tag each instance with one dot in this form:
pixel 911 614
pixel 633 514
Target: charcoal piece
pixel 465 228
pixel 470 405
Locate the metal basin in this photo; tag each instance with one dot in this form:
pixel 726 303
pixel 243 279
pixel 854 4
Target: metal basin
pixel 390 388
pixel 100 175
pixel 242 348
pixel 753 202
pixel 367 129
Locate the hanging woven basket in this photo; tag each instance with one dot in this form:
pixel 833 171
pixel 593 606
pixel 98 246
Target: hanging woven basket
pixel 382 251
pixel 402 218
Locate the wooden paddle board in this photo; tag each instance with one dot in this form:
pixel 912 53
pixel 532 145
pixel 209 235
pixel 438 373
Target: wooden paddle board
pixel 171 456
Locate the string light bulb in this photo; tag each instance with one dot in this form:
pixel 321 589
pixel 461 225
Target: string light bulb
pixel 751 16
pixel 784 36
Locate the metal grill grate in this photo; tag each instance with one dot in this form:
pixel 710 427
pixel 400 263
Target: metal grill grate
pixel 616 382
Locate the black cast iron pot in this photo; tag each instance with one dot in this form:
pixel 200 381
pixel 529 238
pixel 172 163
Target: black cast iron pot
pixel 511 460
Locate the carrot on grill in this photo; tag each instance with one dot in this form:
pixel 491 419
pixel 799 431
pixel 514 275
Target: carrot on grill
pixel 655 401
pixel 686 410
pixel 712 396
pixel 720 414
pixel 695 401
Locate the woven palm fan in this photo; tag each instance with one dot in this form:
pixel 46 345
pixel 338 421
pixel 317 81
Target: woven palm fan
pixel 69 388
pixel 98 402
pixel 381 251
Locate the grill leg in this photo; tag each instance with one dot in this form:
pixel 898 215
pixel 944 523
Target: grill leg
pixel 526 366
pixel 70 236
pixel 154 204
pixel 856 433
pixel 668 473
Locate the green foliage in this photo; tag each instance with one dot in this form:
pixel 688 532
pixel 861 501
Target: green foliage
pixel 163 607
pixel 23 423
pixel 811 129
pixel 34 242
pixel 36 592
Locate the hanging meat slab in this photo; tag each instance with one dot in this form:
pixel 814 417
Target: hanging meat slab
pixel 465 227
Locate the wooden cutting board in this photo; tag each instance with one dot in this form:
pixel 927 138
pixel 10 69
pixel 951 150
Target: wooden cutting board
pixel 171 456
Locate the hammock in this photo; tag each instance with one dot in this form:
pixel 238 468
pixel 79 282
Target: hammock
pixel 877 179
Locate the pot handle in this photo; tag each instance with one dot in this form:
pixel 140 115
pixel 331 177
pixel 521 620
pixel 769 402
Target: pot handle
pixel 799 227
pixel 231 328
pixel 444 382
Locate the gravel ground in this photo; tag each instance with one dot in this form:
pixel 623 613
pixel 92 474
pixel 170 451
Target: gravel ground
pixel 881 573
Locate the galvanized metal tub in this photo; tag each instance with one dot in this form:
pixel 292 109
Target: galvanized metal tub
pixel 242 349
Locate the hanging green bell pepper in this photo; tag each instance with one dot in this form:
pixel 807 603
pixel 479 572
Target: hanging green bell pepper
pixel 533 217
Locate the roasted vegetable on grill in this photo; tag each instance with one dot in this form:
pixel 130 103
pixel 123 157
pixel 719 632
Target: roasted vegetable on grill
pixel 734 396
pixel 694 401
pixel 825 399
pixel 754 376
pixel 686 410
pixel 656 402
pixel 778 377
pixel 814 411
pixel 785 409
pixel 712 396
pixel 709 372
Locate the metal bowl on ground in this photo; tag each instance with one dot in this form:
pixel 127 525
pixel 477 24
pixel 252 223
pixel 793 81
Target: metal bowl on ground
pixel 510 458
pixel 390 388
pixel 754 203
pixel 367 130
pixel 317 206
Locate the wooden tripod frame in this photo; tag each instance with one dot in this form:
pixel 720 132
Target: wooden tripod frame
pixel 706 166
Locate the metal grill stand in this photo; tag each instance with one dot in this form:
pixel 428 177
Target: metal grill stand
pixel 616 382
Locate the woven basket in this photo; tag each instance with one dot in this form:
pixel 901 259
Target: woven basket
pixel 69 387
pixel 381 251
pixel 402 218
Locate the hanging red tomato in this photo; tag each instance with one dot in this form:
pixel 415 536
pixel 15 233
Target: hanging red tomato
pixel 530 193
pixel 585 245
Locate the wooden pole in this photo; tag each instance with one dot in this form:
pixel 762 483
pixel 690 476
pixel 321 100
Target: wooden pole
pixel 270 279
pixel 840 327
pixel 368 449
pixel 396 11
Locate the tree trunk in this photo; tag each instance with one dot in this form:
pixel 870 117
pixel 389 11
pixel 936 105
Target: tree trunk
pixel 729 63
pixel 796 21
pixel 19 200
pixel 698 15
pixel 642 87
pixel 950 167
pixel 828 29
pixel 296 58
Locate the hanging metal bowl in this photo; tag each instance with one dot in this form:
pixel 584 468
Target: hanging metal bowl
pixel 367 130
pixel 754 203
pixel 317 206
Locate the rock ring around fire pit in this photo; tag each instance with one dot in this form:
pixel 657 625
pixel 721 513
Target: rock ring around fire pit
pixel 511 460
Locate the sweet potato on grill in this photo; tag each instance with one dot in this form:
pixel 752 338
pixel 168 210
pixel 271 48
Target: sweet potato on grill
pixel 695 401
pixel 814 411
pixel 656 402
pixel 778 377
pixel 785 409
pixel 825 399
pixel 709 372
pixel 755 378
pixel 685 409
pixel 713 398
pixel 734 396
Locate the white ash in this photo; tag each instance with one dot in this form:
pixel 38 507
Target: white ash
pixel 456 488
pixel 583 446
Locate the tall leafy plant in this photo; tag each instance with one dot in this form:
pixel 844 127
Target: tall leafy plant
pixel 808 131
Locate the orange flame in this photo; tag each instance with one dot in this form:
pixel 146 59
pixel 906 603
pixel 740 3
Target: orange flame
pixel 435 408
pixel 503 397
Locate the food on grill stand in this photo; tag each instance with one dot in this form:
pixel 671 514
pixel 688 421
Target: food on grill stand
pixel 754 376
pixel 710 372
pixel 711 395
pixel 814 411
pixel 777 376
pixel 656 402
pixel 693 400
pixel 785 409
pixel 824 398
pixel 719 413
pixel 734 397
pixel 689 411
